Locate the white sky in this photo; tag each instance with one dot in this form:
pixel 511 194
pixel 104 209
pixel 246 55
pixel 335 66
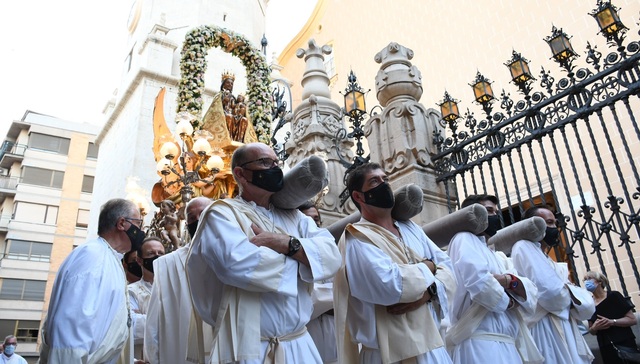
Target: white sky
pixel 63 58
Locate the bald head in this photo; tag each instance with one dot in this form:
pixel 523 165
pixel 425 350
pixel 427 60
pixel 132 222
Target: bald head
pixel 195 208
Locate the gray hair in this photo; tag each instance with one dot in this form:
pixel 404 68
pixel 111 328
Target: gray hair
pixel 113 210
pixel 598 277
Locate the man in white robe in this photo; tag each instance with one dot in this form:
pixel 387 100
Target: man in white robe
pixel 88 318
pixel 140 291
pixel 486 326
pixel 170 308
pixel 393 277
pixel 263 260
pixel 553 329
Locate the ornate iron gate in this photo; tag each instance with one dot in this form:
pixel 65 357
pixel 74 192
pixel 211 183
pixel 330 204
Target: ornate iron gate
pixel 573 144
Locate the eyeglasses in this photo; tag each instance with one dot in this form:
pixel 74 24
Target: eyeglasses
pixel 264 162
pixel 132 220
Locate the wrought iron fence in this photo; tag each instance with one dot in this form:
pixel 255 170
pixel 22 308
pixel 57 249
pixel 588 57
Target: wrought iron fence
pixel 573 144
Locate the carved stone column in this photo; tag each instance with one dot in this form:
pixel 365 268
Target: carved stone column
pixel 401 136
pixel 314 126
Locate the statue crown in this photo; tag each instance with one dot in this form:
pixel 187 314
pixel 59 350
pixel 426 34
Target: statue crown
pixel 228 75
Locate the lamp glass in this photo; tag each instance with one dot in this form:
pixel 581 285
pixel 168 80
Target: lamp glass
pixel 449 110
pixel 163 165
pixel 561 47
pixel 201 146
pixel 169 149
pixel 482 91
pixel 184 127
pixel 519 71
pixel 354 100
pixel 215 162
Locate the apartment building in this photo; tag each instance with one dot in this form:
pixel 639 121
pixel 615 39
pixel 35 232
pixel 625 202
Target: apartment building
pixel 46 183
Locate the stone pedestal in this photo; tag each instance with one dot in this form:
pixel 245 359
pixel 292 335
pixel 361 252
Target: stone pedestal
pixel 401 136
pixel 316 121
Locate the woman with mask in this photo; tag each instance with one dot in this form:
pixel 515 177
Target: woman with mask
pixel 613 318
pixel 553 328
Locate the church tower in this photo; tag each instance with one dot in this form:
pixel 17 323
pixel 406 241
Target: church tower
pixel 156 32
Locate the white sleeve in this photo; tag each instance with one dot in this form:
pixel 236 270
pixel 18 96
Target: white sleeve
pixel 373 277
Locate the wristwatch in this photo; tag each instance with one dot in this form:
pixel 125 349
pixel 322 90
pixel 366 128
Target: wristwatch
pixel 432 290
pixel 294 246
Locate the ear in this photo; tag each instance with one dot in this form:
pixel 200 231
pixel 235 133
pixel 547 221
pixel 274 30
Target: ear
pixel 139 261
pixel 238 172
pixel 358 197
pixel 120 224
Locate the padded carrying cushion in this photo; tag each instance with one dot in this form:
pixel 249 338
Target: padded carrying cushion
pixel 408 203
pixel 532 229
pixel 472 218
pixel 301 183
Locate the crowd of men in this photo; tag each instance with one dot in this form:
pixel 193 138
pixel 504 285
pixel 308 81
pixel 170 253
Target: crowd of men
pixel 262 284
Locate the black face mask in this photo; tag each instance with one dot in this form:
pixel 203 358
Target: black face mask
pixel 380 196
pixel 192 228
pixel 271 179
pixel 147 263
pixel 494 225
pixel 136 236
pixel 551 236
pixel 134 268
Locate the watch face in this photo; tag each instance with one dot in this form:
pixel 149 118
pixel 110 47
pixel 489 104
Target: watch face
pixel 294 246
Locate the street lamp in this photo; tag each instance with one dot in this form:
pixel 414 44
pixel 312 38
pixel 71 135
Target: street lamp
pixel 355 108
pixel 482 89
pixel 520 73
pixel 483 93
pixel 449 108
pixel 354 104
pixel 606 14
pixel 561 49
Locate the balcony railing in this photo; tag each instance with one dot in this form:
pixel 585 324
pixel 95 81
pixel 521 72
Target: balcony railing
pixel 8 183
pixel 4 222
pixel 11 152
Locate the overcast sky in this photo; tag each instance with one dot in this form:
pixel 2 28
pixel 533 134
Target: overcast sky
pixel 63 58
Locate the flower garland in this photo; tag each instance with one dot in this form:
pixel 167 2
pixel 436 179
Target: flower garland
pixel 193 65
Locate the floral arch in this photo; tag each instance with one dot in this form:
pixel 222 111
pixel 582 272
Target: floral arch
pixel 193 66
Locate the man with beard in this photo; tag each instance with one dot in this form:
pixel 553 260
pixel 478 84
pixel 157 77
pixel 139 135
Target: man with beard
pixel 252 266
pixel 393 273
pixel 140 291
pixel 553 329
pixel 169 314
pixel 88 320
pixel 486 324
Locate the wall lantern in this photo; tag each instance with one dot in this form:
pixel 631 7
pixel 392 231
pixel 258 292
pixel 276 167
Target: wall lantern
pixel 449 108
pixel 519 68
pixel 482 89
pixel 560 45
pixel 354 103
pixel 606 14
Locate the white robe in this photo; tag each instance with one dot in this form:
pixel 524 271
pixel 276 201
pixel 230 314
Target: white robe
pixel 474 265
pixel 374 279
pixel 553 300
pixel 14 359
pixel 88 296
pixel 169 313
pixel 139 296
pixel 285 301
pixel 322 327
